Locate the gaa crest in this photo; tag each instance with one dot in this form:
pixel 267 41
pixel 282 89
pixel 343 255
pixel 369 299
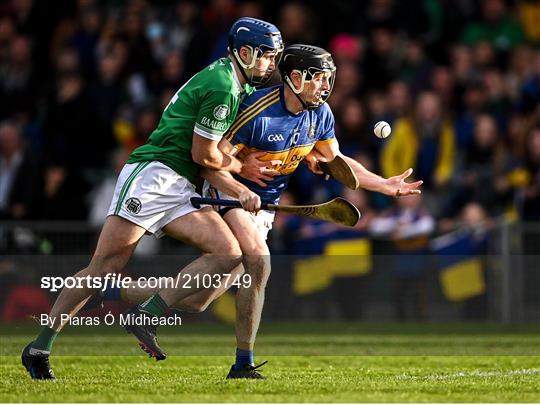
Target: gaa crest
pixel 221 111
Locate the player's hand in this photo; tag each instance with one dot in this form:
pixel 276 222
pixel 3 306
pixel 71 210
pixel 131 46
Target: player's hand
pixel 396 186
pixel 258 170
pixel 250 201
pixel 312 160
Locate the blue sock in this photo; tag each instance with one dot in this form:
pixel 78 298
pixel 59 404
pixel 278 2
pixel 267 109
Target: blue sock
pixel 243 357
pixel 112 294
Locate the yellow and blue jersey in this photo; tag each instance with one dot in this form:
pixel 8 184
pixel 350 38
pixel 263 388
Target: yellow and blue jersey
pixel 264 124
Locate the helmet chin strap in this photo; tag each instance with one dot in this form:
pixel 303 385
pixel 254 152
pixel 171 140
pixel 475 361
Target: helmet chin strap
pixel 243 66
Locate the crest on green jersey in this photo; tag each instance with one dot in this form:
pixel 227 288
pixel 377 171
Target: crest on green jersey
pixel 221 111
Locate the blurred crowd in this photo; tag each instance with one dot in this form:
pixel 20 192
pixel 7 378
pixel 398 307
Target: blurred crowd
pixel 83 82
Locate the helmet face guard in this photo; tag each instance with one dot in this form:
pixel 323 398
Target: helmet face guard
pixel 259 37
pixel 256 53
pixel 307 61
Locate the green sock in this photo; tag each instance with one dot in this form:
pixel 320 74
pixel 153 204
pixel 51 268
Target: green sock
pixel 154 305
pixel 45 339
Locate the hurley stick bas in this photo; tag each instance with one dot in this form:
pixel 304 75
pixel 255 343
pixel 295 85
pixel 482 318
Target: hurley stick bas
pixel 337 210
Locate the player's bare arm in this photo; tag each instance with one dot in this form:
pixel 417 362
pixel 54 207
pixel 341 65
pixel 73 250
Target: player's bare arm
pixel 206 153
pixel 393 186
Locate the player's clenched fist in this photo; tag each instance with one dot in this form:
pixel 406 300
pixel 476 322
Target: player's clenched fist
pixel 250 201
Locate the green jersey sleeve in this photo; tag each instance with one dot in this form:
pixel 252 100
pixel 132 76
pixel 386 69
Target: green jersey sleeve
pixel 216 114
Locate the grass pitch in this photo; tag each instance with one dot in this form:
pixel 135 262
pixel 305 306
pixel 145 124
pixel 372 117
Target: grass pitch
pixel 329 362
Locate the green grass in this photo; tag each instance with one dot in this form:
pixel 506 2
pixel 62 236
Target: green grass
pixel 332 362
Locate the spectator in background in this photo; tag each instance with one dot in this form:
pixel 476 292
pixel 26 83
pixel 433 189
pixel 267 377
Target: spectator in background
pixel 157 37
pixel 63 194
pixel 172 73
pixel 347 48
pixel 7 33
pixel 67 61
pixel 472 218
pixel 378 107
pixel 348 84
pixel 497 26
pixel 530 208
pixel 107 92
pixel 71 125
pixel 473 102
pixel 531 194
pixel 18 77
pixel 19 174
pixel 530 91
pixel 399 100
pixel 484 55
pixel 182 29
pixel 383 57
pixel 86 38
pixel 140 63
pixel 516 138
pixel 416 67
pixel 146 121
pixel 498 102
pixel 463 68
pixel 529 15
pixel 376 13
pixel 352 130
pixel 425 141
pixel 484 163
pixel 408 225
pixel 133 127
pixel 297 24
pixel 443 83
pixel 521 67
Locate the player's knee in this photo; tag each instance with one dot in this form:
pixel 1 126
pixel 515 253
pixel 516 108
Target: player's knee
pixel 258 268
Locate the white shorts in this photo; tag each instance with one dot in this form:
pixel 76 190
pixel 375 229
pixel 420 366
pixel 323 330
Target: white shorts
pixel 263 219
pixel 151 195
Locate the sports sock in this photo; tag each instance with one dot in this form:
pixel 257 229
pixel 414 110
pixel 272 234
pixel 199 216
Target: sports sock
pixel 243 357
pixel 45 339
pixel 154 305
pixel 112 294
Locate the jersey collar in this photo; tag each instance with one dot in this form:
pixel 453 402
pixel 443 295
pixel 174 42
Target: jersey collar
pixel 246 88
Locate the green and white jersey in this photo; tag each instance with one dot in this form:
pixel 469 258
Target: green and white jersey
pixel 206 104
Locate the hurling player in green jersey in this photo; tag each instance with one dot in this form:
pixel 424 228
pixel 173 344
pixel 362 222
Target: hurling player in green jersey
pixel 155 186
pixel 291 122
